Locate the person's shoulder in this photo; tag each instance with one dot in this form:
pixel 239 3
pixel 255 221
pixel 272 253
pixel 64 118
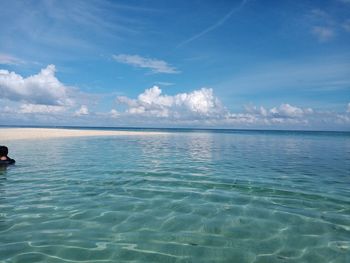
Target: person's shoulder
pixel 11 161
pixel 7 161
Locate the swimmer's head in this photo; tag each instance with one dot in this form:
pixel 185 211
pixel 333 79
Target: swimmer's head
pixel 4 151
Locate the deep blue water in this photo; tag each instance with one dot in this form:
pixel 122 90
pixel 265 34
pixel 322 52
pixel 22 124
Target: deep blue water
pixel 185 196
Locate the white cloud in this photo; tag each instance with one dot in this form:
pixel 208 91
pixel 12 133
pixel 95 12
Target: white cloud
pixel 83 110
pixel 289 111
pixel 114 113
pixel 285 114
pixel 43 88
pixel 35 108
pixel 256 110
pixel 199 108
pixel 202 108
pixel 6 59
pixel 157 66
pixel 199 103
pixel 283 111
pixel 322 33
pixel 164 83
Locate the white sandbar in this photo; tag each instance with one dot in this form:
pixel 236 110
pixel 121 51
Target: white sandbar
pixel 7 134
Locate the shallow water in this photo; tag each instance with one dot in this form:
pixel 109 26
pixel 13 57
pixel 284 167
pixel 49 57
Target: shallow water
pixel 180 197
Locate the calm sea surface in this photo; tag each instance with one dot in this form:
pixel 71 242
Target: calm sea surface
pixel 178 197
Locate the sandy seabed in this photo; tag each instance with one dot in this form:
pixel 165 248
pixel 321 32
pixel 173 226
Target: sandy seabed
pixel 7 134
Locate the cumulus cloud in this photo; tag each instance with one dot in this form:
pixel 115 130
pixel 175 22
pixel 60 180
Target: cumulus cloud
pixel 348 109
pixel 203 109
pixel 83 110
pixel 199 103
pixel 43 88
pixel 155 65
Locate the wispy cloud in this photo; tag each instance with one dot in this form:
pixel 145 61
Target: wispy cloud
pixel 164 83
pixel 346 25
pixel 310 74
pixel 50 28
pixel 6 59
pixel 155 65
pixel 323 25
pixel 326 26
pixel 323 34
pixel 215 25
pixel 320 16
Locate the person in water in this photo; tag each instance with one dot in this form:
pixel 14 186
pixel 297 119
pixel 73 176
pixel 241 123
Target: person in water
pixel 4 159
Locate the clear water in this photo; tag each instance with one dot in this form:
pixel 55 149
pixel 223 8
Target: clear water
pixel 180 197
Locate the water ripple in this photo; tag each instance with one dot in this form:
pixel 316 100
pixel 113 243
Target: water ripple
pixel 179 198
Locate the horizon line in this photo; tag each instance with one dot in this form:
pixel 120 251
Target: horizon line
pixel 168 128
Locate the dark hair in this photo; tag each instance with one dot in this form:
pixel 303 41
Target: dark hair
pixel 4 151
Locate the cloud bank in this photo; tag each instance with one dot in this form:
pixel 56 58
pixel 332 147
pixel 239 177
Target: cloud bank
pixel 43 99
pixel 201 108
pixel 285 110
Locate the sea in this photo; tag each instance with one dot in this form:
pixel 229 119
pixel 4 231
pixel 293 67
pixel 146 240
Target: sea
pixel 182 196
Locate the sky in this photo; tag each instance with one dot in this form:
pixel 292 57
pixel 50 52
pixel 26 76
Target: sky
pixel 245 64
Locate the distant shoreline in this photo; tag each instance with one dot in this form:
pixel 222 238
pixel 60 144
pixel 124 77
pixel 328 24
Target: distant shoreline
pixel 7 134
pixel 21 133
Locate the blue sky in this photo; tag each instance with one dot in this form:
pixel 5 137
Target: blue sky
pixel 220 64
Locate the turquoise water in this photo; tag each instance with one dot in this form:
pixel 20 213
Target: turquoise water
pixel 179 197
